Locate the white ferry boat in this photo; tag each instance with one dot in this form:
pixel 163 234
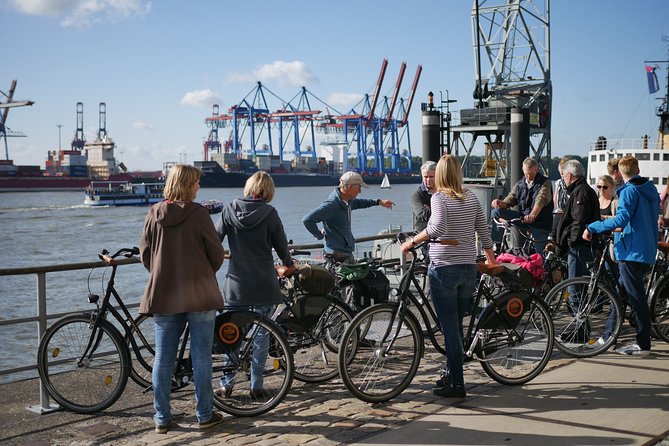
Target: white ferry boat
pixel 122 193
pixel 653 158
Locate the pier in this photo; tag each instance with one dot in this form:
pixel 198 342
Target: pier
pixel 607 399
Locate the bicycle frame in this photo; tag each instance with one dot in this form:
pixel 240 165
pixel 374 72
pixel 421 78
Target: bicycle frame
pixel 124 318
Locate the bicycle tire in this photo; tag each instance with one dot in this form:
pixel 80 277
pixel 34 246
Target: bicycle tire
pixel 93 385
pixel 580 324
pixel 278 370
pixel 141 369
pixel 315 352
pixel 513 360
pixel 370 373
pixel 659 310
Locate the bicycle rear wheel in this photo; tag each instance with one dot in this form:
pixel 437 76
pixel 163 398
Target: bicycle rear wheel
pixel 587 322
pixel 142 362
pixel 81 384
pixel 659 311
pixel 232 362
pixel 315 350
pixel 374 364
pixel 517 355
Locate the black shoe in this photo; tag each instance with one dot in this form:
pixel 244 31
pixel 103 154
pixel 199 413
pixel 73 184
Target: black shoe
pixel 450 392
pixel 444 380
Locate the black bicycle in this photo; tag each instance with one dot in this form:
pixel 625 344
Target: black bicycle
pixel 84 360
pixel 313 321
pixel 509 332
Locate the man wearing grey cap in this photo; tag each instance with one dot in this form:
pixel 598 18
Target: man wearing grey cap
pixel 335 214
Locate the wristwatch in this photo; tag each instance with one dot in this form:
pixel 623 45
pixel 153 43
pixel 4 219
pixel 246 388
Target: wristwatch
pixel 413 243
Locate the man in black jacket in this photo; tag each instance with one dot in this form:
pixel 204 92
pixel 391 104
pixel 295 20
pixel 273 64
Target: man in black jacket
pixel 581 210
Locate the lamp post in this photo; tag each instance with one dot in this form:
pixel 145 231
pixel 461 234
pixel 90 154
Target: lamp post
pixel 447 118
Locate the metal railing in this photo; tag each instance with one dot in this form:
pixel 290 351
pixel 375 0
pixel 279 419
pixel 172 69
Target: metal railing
pixel 42 316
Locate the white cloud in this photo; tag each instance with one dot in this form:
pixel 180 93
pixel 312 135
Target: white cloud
pixel 83 13
pixel 199 98
pixel 344 100
pixel 142 125
pixel 295 73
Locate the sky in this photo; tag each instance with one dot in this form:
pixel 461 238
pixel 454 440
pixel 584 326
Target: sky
pixel 160 65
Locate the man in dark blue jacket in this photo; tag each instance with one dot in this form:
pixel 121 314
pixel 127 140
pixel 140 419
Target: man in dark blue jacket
pixel 335 214
pixel 636 247
pixel 534 196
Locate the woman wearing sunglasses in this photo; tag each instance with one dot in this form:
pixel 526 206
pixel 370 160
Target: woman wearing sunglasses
pixel 607 199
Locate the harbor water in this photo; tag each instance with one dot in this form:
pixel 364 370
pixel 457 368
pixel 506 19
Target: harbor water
pixel 49 228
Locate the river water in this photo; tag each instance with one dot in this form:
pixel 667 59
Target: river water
pixel 49 228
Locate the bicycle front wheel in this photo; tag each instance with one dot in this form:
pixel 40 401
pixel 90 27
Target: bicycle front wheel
pixel 587 322
pixel 516 355
pixel 315 350
pixel 253 372
pixel 380 353
pixel 84 368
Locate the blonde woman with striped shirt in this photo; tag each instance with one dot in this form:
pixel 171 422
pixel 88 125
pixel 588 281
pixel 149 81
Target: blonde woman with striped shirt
pixel 457 215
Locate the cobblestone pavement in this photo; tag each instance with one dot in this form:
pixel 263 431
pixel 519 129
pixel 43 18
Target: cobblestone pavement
pixel 312 414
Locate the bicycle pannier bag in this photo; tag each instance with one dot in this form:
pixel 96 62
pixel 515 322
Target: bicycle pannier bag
pixel 372 289
pixel 511 305
pixel 316 280
pixel 304 314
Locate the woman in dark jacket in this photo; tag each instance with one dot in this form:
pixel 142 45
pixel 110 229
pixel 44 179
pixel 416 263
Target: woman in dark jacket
pixel 253 228
pixel 182 252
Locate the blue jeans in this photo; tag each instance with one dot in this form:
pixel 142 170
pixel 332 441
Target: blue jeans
pixel 168 329
pixel 538 234
pixel 260 351
pixel 631 278
pixel 452 287
pixel 578 258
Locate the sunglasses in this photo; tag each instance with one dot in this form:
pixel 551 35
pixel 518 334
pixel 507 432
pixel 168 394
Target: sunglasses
pixel 599 186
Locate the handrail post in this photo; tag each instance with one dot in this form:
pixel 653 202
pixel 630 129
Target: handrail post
pixel 44 404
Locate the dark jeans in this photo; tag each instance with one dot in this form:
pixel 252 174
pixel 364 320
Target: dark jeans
pixel 577 258
pixel 539 234
pixel 452 287
pixel 631 278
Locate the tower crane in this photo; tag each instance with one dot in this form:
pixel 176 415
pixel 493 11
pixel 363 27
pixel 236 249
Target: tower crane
pixel 4 112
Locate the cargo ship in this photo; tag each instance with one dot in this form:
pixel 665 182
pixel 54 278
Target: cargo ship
pixel 70 170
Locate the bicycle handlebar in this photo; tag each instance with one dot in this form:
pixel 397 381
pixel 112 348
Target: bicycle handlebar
pixel 126 252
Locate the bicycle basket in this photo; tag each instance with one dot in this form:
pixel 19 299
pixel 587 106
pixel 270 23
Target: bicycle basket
pixel 315 279
pixel 304 314
pixel 230 328
pixel 505 311
pixel 353 271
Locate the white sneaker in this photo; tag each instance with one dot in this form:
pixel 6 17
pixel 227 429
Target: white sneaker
pixel 632 349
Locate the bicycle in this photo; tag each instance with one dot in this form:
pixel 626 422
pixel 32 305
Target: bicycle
pixel 85 359
pixel 555 267
pixel 588 311
pixel 511 336
pixel 313 321
pixel 657 287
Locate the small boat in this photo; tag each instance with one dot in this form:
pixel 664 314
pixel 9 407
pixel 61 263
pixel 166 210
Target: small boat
pixel 385 184
pixel 122 193
pixel 213 206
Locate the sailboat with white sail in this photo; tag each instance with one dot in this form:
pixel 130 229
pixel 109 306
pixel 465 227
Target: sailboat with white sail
pixel 385 184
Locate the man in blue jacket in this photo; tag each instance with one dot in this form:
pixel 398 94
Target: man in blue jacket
pixel 335 214
pixel 636 247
